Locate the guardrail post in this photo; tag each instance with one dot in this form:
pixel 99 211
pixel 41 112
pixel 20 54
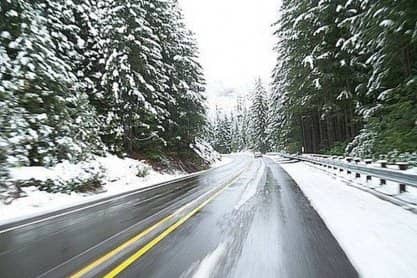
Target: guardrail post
pixel 402 166
pixel 334 167
pixel 349 160
pixel 320 162
pixel 368 162
pixel 329 165
pixel 383 165
pixel 341 168
pixel 357 160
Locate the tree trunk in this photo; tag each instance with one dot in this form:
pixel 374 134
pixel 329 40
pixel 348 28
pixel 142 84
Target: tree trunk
pixel 313 133
pixel 330 131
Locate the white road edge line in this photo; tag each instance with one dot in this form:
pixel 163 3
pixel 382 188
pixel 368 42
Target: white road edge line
pixel 131 227
pixel 106 201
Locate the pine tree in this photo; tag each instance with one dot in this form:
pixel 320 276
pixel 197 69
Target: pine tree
pixel 241 125
pixel 5 112
pixel 186 83
pixel 276 132
pixel 314 80
pixel 78 73
pixel 65 20
pixel 89 43
pixel 291 87
pixel 41 81
pixel 259 118
pixel 224 143
pixel 343 65
pixel 387 30
pixel 222 135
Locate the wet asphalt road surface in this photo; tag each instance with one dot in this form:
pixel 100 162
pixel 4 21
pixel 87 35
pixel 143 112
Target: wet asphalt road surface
pixel 272 232
pixel 260 226
pixel 60 246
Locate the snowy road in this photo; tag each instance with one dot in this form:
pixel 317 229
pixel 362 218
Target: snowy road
pixel 245 219
pixel 274 232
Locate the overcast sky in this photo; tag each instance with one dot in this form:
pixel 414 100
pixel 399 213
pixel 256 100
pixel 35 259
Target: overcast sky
pixel 235 41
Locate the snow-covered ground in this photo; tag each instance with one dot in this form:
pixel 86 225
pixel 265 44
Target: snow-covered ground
pixel 389 188
pixel 120 175
pixel 379 237
pixel 205 151
pixel 223 160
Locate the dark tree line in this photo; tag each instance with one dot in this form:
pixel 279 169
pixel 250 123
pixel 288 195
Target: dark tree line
pixel 345 79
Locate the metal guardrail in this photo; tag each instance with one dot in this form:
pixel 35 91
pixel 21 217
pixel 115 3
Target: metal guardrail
pixel 351 165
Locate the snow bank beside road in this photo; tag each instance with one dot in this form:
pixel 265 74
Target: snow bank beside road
pixel 120 175
pixel 380 238
pixel 204 150
pixel 222 160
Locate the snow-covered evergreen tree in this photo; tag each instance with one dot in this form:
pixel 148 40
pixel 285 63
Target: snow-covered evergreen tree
pixel 341 65
pixel 231 131
pixel 38 74
pixel 276 131
pixel 5 113
pixel 186 84
pixel 74 74
pixel 125 101
pixel 224 135
pixel 259 118
pixel 387 33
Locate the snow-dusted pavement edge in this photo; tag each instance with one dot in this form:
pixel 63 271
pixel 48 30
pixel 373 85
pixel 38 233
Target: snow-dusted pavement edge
pixel 120 178
pixel 380 238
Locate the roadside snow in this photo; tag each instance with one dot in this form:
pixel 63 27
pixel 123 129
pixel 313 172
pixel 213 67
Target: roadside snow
pixel 120 175
pixel 380 238
pixel 222 160
pixel 205 151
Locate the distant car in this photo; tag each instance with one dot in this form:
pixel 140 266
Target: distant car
pixel 257 154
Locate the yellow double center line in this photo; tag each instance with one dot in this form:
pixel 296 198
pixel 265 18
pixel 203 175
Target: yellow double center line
pixel 156 240
pixel 150 244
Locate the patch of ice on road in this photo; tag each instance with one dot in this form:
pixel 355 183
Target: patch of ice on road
pixel 252 184
pixel 379 238
pixel 208 265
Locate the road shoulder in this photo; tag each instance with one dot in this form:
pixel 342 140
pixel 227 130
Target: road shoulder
pixel 380 238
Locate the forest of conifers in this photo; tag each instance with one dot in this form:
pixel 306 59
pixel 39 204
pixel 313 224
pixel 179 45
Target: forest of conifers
pixel 346 77
pixel 83 77
pixel 345 82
